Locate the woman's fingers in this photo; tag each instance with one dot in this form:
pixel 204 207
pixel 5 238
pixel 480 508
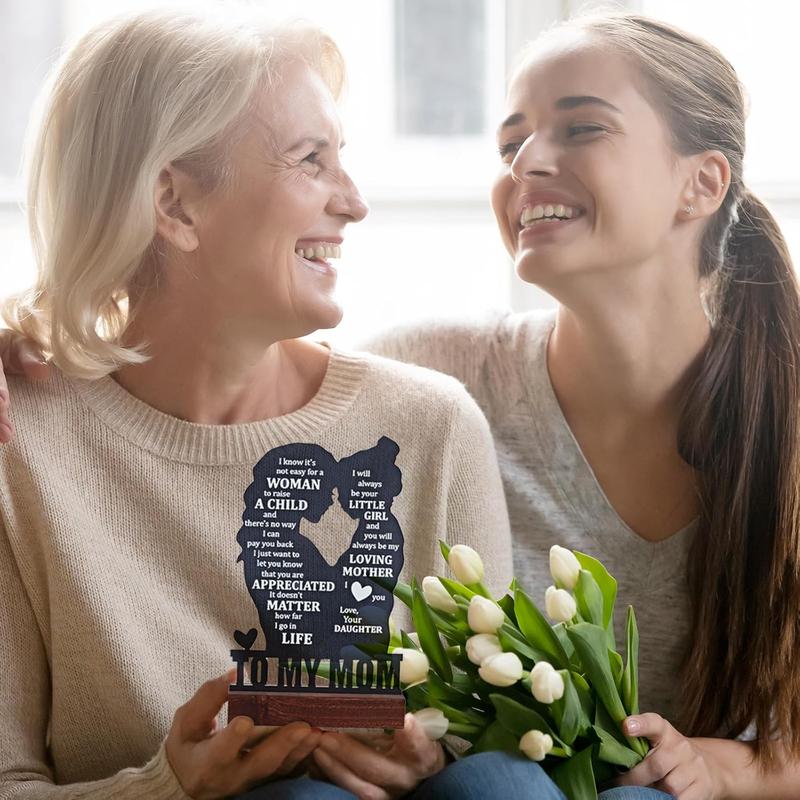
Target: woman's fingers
pixel 343 776
pixel 268 756
pixel 301 752
pixel 367 763
pixel 21 357
pixel 194 718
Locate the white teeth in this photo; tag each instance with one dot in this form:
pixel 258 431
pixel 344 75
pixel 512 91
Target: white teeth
pixel 320 251
pixel 542 212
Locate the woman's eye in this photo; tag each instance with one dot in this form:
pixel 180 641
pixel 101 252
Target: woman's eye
pixel 508 149
pixel 312 158
pixel 576 130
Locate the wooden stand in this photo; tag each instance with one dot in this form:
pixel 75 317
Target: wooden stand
pixel 320 709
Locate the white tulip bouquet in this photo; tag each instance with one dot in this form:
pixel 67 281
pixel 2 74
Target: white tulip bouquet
pixel 498 674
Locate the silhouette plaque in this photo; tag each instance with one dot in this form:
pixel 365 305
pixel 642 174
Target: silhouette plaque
pixel 324 616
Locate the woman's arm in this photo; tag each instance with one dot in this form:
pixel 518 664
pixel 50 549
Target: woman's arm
pixel 18 356
pixel 194 761
pixel 698 768
pixel 476 507
pixel 740 776
pixel 25 770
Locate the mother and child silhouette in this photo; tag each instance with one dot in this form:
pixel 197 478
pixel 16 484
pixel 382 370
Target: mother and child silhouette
pixel 310 605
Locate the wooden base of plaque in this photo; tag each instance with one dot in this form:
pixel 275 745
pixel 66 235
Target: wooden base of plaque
pixel 319 709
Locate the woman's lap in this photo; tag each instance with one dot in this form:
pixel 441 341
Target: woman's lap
pixel 478 777
pixel 296 789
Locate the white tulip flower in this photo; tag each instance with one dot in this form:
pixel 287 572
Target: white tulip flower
pixel 547 684
pixel 414 666
pixel 466 564
pixel 501 669
pixel 536 745
pixel 559 604
pixel 436 596
pixel 433 721
pixel 564 567
pixel 481 646
pixel 484 615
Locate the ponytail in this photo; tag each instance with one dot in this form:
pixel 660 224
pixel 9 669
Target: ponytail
pixel 740 430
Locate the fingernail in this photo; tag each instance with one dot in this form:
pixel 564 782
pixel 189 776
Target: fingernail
pixel 632 726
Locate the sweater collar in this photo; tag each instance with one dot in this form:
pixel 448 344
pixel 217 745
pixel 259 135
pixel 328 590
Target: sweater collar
pixel 198 443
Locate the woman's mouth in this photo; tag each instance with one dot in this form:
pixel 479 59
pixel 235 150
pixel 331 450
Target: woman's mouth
pixel 316 256
pixel 544 219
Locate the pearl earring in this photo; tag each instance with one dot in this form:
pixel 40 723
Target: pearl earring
pixel 689 209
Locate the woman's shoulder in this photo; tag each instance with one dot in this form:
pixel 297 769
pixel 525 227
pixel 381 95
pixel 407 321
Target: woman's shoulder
pixel 409 383
pixel 489 347
pixel 36 399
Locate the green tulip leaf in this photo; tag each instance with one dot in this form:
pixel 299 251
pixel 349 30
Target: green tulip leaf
pixel 447 693
pixel 445 548
pixel 568 712
pixel 429 635
pixel 589 598
pixel 408 642
pixel 457 589
pixel 506 602
pixel 496 737
pixel 603 720
pixel 402 591
pixel 417 697
pixel 519 719
pixel 538 631
pixel 608 588
pixel 575 777
pixel 560 632
pixel 585 694
pixel 591 646
pixel 512 641
pixel 630 677
pixel 615 661
pixel 612 752
pixel 460 715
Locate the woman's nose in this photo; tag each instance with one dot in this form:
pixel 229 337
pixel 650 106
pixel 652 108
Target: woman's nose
pixel 534 157
pixel 348 200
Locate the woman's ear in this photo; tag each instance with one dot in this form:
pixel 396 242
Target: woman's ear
pixel 175 215
pixel 710 182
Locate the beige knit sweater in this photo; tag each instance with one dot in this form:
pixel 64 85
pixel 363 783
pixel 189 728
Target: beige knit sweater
pixel 119 587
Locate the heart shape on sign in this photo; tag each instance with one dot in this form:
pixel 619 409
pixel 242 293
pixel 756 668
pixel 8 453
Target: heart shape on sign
pixel 360 592
pixel 246 639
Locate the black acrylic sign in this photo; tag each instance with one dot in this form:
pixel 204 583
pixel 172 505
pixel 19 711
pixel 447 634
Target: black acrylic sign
pixel 320 618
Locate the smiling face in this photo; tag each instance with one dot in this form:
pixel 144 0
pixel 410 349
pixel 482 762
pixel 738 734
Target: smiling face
pixel 580 142
pixel 265 243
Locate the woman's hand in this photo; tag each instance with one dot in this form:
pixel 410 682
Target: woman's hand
pixel 210 764
pixel 18 356
pixel 388 766
pixel 676 763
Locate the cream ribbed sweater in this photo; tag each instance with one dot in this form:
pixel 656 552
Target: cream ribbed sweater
pixel 119 587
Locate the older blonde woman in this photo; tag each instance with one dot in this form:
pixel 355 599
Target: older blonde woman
pixel 186 202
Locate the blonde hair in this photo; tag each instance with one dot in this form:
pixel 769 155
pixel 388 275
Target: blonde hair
pixel 132 95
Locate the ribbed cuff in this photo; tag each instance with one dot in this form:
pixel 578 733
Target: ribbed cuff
pixel 156 780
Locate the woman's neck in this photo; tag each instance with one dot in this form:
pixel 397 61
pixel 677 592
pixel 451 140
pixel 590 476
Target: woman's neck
pixel 619 369
pixel 211 371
